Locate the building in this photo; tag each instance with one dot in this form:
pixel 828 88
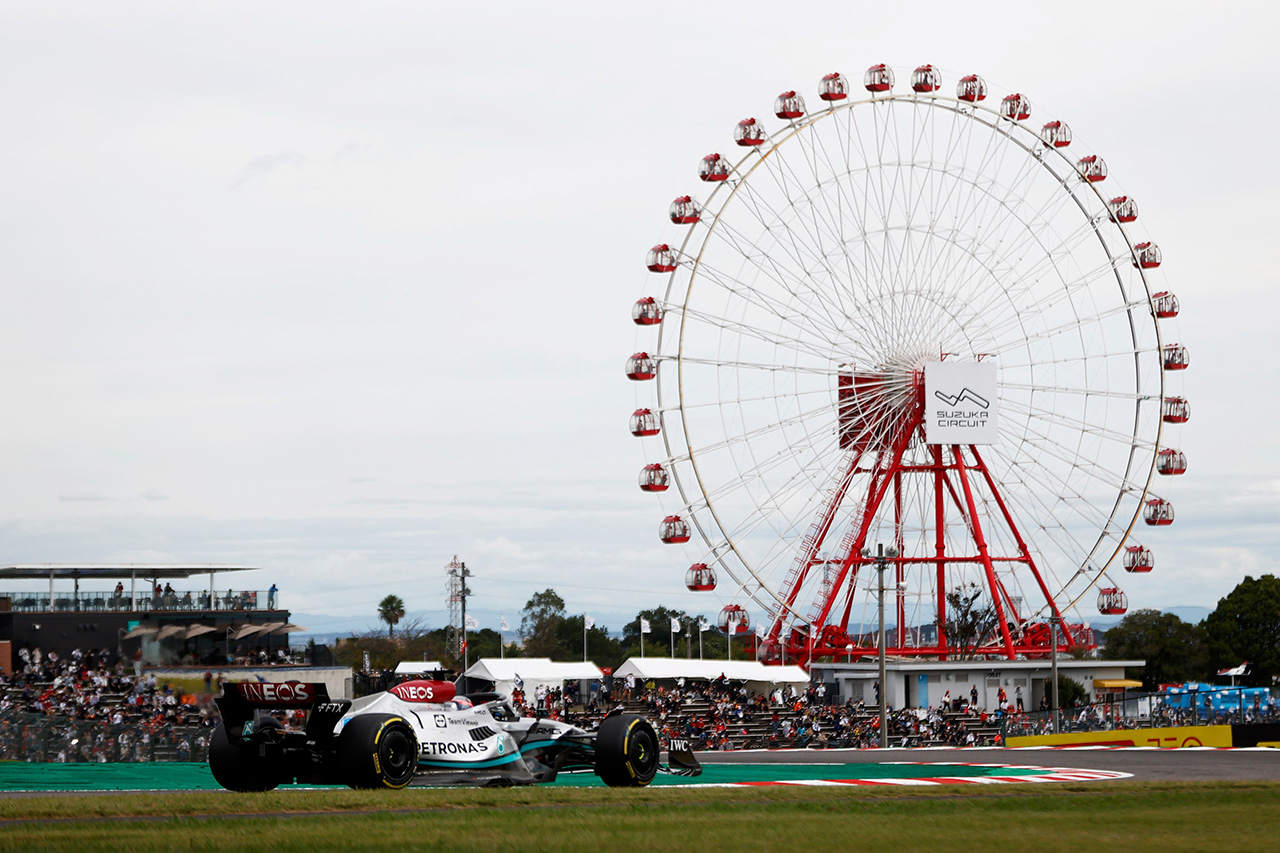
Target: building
pixel 130 608
pixel 922 683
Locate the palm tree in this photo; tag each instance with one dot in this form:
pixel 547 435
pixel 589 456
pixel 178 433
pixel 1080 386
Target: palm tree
pixel 391 611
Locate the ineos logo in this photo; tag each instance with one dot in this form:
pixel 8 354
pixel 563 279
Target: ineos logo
pixel 288 693
pixel 414 692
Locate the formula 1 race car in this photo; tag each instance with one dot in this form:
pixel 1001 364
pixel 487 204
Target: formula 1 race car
pixel 420 733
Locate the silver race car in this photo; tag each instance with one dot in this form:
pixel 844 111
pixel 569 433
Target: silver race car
pixel 421 733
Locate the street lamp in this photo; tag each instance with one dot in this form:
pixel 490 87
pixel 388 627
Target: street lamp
pixel 882 557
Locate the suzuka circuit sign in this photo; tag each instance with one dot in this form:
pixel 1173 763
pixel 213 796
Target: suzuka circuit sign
pixel 960 402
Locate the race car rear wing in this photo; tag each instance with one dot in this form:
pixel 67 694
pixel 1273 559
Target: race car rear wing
pixel 242 702
pixel 680 759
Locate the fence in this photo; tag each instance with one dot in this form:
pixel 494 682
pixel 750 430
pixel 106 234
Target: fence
pixel 39 738
pixel 111 602
pixel 1191 705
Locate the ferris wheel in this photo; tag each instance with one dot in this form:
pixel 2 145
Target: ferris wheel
pixel 918 322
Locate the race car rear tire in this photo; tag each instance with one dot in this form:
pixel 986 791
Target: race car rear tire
pixel 626 751
pixel 239 766
pixel 377 751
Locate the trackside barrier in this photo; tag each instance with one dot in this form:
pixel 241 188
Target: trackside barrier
pixel 39 738
pixel 1188 715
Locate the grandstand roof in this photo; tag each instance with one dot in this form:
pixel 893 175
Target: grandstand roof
pixel 46 571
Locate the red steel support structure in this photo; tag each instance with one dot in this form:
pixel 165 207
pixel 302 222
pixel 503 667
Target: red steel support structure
pixel 882 434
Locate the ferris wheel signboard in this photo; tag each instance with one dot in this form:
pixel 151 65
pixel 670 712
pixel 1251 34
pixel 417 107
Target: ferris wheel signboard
pixel 960 402
pixel 911 319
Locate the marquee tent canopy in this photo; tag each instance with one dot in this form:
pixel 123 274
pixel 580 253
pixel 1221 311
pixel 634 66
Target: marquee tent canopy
pixel 418 667
pixel 756 674
pixel 504 672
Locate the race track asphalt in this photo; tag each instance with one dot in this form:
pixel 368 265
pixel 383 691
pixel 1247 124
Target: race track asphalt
pixel 1170 765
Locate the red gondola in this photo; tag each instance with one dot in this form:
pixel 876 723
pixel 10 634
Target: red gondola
pixel 1158 512
pixel 1171 462
pixel 926 79
pixel 644 422
pixel 1176 357
pixel 1092 168
pixel 1166 304
pixel 713 168
pixel 661 259
pixel 685 211
pixel 1015 107
pixel 1138 559
pixel 748 132
pixel 700 578
pixel 1148 256
pixel 734 618
pixel 654 478
pixel 788 105
pixel 1123 208
pixel 971 88
pixel 1056 134
pixel 646 312
pixel 833 87
pixel 879 78
pixel 641 366
pixel 1176 410
pixel 673 530
pixel 1112 602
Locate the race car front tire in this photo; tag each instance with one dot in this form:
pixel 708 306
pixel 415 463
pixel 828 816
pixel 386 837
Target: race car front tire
pixel 377 751
pixel 626 751
pixel 240 766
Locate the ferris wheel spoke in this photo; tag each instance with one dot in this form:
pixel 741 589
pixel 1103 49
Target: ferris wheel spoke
pixel 1066 495
pixel 774 338
pixel 799 322
pixel 1052 449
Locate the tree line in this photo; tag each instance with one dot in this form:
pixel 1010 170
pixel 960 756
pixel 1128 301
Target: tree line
pixel 546 629
pixel 1245 626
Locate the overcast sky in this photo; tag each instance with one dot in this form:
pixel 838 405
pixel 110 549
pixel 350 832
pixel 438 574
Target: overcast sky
pixel 341 290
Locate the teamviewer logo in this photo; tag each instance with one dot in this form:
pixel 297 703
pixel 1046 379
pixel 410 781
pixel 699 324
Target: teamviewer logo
pixel 965 394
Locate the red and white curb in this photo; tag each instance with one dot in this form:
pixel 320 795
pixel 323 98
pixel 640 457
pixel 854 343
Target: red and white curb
pixel 1044 774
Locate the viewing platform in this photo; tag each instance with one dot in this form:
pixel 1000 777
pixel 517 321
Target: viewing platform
pixel 134 608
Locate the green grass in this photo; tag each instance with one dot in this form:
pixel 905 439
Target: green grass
pixel 1164 816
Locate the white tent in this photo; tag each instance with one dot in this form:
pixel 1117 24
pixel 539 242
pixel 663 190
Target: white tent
pixel 504 672
pixel 418 667
pixel 758 676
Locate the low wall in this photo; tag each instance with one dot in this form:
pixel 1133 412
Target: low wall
pixel 1173 737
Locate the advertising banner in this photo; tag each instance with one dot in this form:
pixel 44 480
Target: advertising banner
pixel 960 402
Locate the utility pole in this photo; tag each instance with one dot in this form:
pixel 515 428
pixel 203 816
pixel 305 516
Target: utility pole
pixel 1053 666
pixel 458 592
pixel 882 557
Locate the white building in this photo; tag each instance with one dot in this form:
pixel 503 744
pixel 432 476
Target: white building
pixel 922 683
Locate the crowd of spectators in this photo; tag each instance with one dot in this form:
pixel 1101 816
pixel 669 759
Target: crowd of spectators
pixel 90 706
pixel 719 715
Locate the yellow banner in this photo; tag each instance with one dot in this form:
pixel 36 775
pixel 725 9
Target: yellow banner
pixel 1174 737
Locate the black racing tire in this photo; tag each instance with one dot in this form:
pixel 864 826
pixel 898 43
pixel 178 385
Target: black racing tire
pixel 239 766
pixel 626 751
pixel 377 751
